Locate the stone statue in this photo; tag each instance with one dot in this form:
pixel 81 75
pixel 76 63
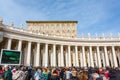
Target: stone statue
pixel 21 26
pixel 1 20
pixel 88 35
pixel 103 35
pixel 82 35
pixel 12 24
pixel 96 35
pixel 110 35
pixel 119 34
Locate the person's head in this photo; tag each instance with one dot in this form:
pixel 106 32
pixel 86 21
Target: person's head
pixel 29 68
pixel 54 71
pixel 45 69
pixel 38 69
pixel 73 69
pixel 22 67
pixel 6 67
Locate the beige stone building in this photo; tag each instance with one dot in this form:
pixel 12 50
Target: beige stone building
pixel 49 43
pixel 54 28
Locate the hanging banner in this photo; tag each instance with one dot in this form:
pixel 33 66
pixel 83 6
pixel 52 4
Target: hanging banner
pixel 10 57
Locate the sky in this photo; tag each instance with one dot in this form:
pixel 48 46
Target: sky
pixel 93 16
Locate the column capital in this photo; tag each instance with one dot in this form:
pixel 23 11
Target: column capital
pixel 113 45
pixel 83 46
pixel 69 45
pixel 54 44
pixel 20 40
pixel 38 42
pixel 46 44
pixel 98 46
pixel 29 41
pixel 10 38
pixel 76 45
pixel 90 46
pixel 61 45
pixel 105 45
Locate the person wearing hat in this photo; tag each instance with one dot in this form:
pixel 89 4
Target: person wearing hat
pixel 7 73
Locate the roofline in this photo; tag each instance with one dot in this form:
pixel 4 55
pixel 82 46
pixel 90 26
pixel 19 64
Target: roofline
pixel 51 21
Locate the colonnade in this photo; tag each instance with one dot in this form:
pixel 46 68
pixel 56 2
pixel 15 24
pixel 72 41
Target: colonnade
pixel 46 54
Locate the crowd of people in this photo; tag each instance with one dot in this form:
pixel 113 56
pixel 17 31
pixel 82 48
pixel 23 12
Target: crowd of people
pixel 58 73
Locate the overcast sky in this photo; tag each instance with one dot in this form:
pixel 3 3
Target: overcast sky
pixel 93 16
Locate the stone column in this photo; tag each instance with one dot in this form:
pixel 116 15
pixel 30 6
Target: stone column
pixel 84 58
pixel 54 55
pixel 106 56
pixel 37 60
pixel 43 56
pixel 103 59
pixel 66 59
pixel 98 56
pixel 96 61
pixel 81 60
pixel 69 55
pixel 111 59
pixel 9 43
pixel 62 56
pixel 88 54
pixel 74 59
pixel 118 55
pixel 34 53
pixel 28 54
pixel 114 57
pixel 19 45
pixel 51 59
pixel 46 55
pixel 76 55
pixel 91 57
pixel 59 58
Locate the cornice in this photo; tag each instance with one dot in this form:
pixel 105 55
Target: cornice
pixel 51 21
pixel 57 38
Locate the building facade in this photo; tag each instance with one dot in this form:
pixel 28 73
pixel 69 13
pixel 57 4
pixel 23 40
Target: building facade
pixel 42 49
pixel 54 28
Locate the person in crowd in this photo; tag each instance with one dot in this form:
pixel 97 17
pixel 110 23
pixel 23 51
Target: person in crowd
pixel 45 74
pixel 106 73
pixel 1 73
pixel 7 73
pixel 62 73
pixel 90 71
pixel 68 74
pixel 13 70
pixel 38 74
pixel 74 74
pixel 29 73
pixel 96 75
pixel 115 74
pixel 54 74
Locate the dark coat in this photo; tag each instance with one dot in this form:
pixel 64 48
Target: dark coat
pixel 114 75
pixel 8 75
